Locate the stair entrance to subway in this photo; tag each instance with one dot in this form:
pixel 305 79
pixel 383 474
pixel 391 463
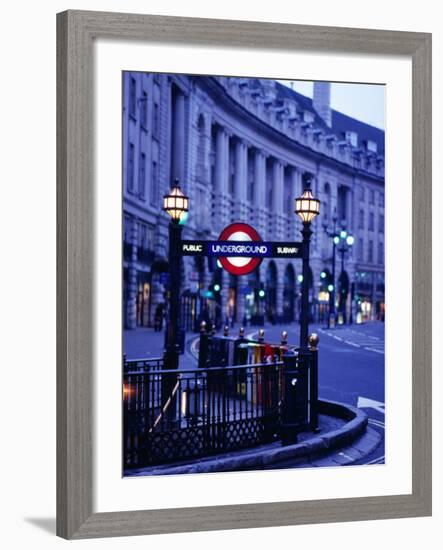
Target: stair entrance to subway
pixel 244 392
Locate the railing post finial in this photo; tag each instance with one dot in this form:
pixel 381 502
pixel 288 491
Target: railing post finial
pixel 313 341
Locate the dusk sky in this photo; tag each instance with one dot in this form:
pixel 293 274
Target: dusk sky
pixel 365 102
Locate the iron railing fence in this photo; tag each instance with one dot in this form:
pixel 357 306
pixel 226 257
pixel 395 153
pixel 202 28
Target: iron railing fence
pixel 177 415
pixel 258 392
pixel 143 365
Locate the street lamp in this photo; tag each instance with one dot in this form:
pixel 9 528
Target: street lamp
pixel 331 288
pixel 344 244
pixel 175 203
pixel 307 208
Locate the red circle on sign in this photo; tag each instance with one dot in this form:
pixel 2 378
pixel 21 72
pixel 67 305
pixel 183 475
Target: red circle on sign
pixel 250 232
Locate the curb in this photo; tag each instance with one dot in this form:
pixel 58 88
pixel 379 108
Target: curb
pixel 356 425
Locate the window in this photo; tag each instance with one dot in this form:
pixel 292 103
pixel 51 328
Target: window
pixel 127 228
pixel 352 138
pixel 361 219
pixel 153 195
pixel 360 250
pixel 370 251
pixel 371 221
pixel 381 223
pixel 143 241
pixel 130 169
pixel 201 210
pixel 288 194
pixel 326 203
pixel 381 249
pixel 381 199
pixel 372 146
pixel 156 112
pixel 308 117
pixel 132 96
pixel 144 110
pixel 362 193
pixel 154 183
pixel 142 176
pixel 372 197
pixel 201 148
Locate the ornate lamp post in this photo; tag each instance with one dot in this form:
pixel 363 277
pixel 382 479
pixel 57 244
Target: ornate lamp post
pixel 175 203
pixel 295 370
pixel 306 207
pixel 331 288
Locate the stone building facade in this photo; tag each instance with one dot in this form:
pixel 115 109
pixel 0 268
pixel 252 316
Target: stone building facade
pixel 242 150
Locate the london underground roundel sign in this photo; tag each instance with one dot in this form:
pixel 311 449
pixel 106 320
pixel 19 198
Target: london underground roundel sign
pixel 241 233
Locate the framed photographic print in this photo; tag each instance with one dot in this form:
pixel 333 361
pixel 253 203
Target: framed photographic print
pixel 244 281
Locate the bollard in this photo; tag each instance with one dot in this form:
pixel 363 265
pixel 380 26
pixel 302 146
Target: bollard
pixel 283 345
pixel 313 378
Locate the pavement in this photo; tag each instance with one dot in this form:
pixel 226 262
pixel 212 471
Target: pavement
pixel 351 371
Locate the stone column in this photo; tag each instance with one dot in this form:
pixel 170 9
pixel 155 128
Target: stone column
pixel 131 305
pixel 260 190
pixel 290 211
pixel 221 177
pixel 240 179
pixel 278 199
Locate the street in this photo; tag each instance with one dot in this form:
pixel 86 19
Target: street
pixel 351 369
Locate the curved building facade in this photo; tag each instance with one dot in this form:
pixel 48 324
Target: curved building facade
pixel 242 150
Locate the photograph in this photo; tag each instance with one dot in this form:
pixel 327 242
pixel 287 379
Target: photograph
pixel 253 274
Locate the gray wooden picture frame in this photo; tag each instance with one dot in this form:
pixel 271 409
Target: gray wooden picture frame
pixel 76 32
